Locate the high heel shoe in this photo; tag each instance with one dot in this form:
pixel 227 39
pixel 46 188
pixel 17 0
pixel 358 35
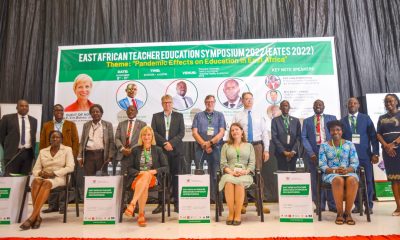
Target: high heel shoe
pixel 37 223
pixel 26 225
pixel 130 210
pixel 141 220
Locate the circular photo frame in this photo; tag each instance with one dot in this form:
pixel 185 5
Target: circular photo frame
pixel 123 96
pixel 229 93
pixel 184 94
pixel 272 82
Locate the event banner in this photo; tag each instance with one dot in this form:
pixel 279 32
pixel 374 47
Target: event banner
pixel 11 195
pixel 102 199
pixel 295 203
pixel 194 198
pixel 116 76
pixel 376 108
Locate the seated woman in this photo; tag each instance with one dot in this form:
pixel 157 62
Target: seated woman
pixel 52 164
pixel 338 161
pixel 237 163
pixel 145 161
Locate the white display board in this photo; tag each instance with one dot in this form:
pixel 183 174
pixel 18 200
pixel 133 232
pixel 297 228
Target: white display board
pixel 194 198
pixel 295 202
pixel 102 199
pixel 11 194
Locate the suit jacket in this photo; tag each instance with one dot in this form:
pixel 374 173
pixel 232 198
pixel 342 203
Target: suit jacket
pixel 279 134
pixel 238 105
pixel 120 135
pixel 10 135
pixel 108 139
pixel 176 130
pixel 125 102
pixel 69 132
pixel 308 133
pixel 366 129
pixel 160 162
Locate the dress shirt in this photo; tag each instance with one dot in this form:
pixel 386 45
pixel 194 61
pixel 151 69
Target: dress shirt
pixel 96 137
pixel 58 126
pixel 167 120
pixel 27 131
pixel 127 128
pixel 260 126
pixel 351 115
pixel 236 103
pixel 322 127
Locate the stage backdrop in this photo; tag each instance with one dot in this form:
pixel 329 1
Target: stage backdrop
pixel 299 70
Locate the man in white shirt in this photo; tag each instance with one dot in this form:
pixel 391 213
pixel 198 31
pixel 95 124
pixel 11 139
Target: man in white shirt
pixel 255 125
pixel 180 100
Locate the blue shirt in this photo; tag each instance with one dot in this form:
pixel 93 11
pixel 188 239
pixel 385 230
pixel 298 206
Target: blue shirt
pixel 202 120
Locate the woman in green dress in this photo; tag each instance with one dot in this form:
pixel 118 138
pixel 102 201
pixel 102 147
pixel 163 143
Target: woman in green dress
pixel 237 163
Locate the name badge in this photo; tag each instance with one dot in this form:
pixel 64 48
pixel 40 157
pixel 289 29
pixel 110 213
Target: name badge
pixel 238 167
pixel 288 139
pixel 210 131
pixel 355 138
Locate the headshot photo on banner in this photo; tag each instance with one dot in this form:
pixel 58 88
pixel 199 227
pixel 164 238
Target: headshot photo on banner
pixel 116 76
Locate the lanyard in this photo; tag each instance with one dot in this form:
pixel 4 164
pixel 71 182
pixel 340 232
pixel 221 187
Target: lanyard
pixel 146 156
pixel 58 125
pixel 168 121
pixel 353 121
pixel 338 151
pixel 209 117
pixel 237 154
pixel 286 122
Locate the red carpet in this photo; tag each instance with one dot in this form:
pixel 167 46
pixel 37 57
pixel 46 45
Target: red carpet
pixel 381 237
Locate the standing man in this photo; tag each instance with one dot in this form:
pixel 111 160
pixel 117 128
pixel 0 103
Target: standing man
pixel 181 101
pixel 208 129
pixel 231 91
pixel 360 129
pixel 286 134
pixel 130 99
pixel 256 130
pixel 315 132
pixel 18 137
pixel 127 135
pixel 169 130
pixel 70 139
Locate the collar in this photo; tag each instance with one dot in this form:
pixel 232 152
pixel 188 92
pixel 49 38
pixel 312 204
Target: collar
pixel 236 102
pixel 20 116
pixel 98 124
pixel 55 122
pixel 165 115
pixel 355 114
pixel 133 119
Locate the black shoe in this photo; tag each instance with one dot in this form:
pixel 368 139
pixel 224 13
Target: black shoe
pixel 176 208
pixel 370 211
pixel 61 211
pixel 355 210
pixel 49 210
pixel 334 210
pixel 236 223
pixel 157 210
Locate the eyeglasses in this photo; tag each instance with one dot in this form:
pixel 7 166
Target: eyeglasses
pixel 167 102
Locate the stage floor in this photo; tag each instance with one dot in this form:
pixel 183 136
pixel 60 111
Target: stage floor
pixel 382 224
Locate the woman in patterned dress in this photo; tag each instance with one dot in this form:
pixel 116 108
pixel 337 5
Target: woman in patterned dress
pixel 237 163
pixel 388 134
pixel 338 161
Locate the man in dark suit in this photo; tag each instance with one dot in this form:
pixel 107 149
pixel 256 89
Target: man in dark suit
pixel 127 135
pixel 70 139
pixel 231 90
pixel 360 129
pixel 169 130
pixel 286 133
pixel 18 137
pixel 315 132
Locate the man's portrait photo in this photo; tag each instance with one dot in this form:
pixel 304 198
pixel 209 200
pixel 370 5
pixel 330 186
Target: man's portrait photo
pixel 181 100
pixel 231 89
pixel 273 97
pixel 131 91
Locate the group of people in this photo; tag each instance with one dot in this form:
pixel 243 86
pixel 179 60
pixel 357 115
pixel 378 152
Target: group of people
pixel 337 147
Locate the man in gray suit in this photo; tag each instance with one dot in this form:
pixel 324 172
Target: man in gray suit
pixel 169 130
pixel 18 138
pixel 127 135
pixel 286 135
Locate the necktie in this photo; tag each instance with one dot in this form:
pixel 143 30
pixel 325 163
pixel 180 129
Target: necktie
pixel 23 131
pixel 231 105
pixel 134 103
pixel 318 128
pixel 249 127
pixel 184 99
pixel 353 124
pixel 128 133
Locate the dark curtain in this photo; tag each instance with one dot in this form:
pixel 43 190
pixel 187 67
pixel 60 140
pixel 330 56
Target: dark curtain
pixel 367 35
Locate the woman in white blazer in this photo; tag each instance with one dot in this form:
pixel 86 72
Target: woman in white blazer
pixel 52 164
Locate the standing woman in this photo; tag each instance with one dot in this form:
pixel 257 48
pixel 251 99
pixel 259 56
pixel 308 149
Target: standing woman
pixel 237 163
pixel 53 163
pixel 388 134
pixel 146 161
pixel 97 142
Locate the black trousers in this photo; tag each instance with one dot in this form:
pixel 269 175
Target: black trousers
pixel 22 164
pixel 175 159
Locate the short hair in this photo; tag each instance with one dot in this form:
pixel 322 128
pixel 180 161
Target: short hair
pixel 80 78
pixel 58 105
pixel 231 80
pixel 284 101
pixel 181 82
pixel 130 84
pixel 209 96
pixel 55 131
pixel 394 96
pixel 334 123
pixel 96 106
pixel 230 138
pixel 22 100
pixel 165 97
pixel 144 129
pixel 245 93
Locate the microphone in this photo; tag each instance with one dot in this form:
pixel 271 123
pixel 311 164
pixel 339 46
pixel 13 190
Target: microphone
pixel 199 170
pixel 100 172
pixel 5 174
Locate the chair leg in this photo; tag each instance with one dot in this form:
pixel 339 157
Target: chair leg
pixel 365 192
pixel 217 206
pixel 76 195
pixel 318 202
pixel 164 189
pixel 26 190
pixel 122 203
pixel 260 203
